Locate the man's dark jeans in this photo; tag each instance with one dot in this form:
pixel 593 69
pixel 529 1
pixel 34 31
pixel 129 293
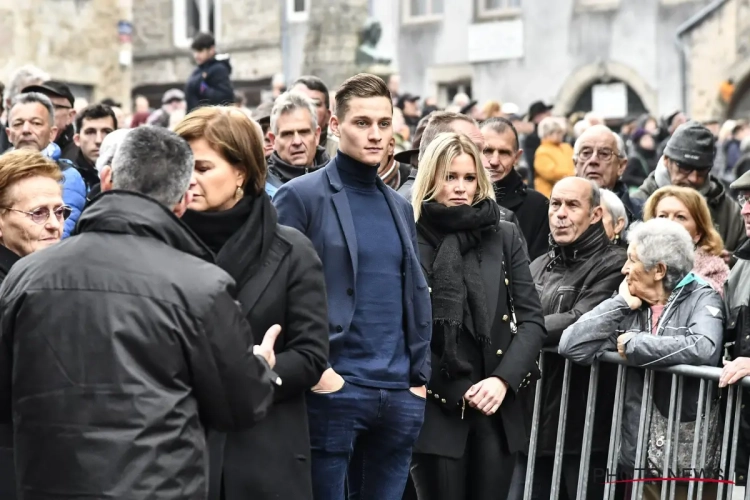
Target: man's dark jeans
pixel 362 440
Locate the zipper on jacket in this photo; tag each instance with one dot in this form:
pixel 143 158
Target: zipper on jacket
pixel 463 407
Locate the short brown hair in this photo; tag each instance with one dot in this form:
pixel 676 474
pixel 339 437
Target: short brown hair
pixel 233 135
pixel 710 240
pixel 363 85
pixel 440 123
pixel 21 164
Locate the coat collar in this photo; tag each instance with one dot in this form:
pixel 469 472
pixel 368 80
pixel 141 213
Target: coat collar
pixel 7 259
pixel 125 212
pixel 591 242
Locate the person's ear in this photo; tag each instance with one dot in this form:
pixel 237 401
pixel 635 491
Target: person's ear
pixel 317 135
pixel 597 214
pixel 105 176
pixel 622 167
pixel 53 132
pixel 335 126
pixel 181 207
pixel 519 154
pixel 77 140
pixel 620 225
pixel 271 138
pixel 661 272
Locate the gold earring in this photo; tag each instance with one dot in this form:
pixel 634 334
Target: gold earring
pixel 239 192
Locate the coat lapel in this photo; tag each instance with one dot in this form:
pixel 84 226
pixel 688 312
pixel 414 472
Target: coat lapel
pixel 255 286
pixel 344 214
pixel 492 273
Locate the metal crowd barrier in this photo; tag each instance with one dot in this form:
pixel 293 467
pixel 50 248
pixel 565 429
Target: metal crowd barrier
pixel 707 376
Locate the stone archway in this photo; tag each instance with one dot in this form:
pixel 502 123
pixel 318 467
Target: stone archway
pixel 585 76
pixel 739 107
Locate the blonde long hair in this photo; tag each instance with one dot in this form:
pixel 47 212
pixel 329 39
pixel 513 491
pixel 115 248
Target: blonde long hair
pixel 710 240
pixel 434 167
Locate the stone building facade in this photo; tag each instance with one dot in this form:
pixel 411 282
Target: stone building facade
pixel 75 41
pixel 249 30
pixel 717 48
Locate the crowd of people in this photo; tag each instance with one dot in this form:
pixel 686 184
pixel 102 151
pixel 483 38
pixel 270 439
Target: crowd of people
pixel 339 294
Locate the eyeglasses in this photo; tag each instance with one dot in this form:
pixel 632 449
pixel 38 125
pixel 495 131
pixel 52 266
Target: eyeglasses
pixel 689 169
pixel 603 154
pixel 743 198
pixel 41 215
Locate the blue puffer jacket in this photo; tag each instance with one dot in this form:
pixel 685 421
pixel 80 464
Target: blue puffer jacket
pixel 74 189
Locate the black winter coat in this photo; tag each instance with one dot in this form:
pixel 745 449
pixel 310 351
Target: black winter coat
pixel 505 270
pixel 119 359
pixel 531 207
pixel 210 84
pixel 7 468
pixel 272 460
pixel 571 281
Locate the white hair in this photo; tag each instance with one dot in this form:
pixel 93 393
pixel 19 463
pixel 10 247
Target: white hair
pixel 549 126
pixel 664 241
pixel 23 77
pixel 109 147
pixel 580 127
pixel 621 152
pixel 288 102
pixel 614 205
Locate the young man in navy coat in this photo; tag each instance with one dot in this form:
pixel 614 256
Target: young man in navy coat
pixel 367 410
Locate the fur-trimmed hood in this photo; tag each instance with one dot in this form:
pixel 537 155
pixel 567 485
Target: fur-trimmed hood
pixel 712 268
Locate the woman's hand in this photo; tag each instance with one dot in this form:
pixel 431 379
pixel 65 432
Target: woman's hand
pixel 487 395
pixel 621 341
pixel 633 302
pixel 734 371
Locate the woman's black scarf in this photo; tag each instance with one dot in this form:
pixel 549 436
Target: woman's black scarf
pixel 456 233
pixel 240 237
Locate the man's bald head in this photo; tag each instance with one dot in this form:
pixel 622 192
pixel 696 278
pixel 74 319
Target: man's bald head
pixel 574 206
pixel 589 190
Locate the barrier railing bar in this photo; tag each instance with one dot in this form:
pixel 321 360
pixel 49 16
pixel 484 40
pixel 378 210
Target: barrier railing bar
pixel 725 439
pixel 531 461
pixel 668 444
pixel 588 432
pixel 706 428
pixel 560 440
pixel 697 434
pixel 735 433
pixel 677 421
pixel 614 433
pixel 643 431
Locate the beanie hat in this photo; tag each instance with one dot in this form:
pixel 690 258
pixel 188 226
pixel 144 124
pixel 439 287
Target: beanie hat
pixel 691 144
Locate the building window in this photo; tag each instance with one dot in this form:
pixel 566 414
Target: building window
pixel 193 16
pixel 498 8
pixel 598 4
pixel 297 10
pixel 419 11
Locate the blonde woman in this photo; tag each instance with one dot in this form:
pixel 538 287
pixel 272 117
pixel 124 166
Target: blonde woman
pixel 487 328
pixel 688 208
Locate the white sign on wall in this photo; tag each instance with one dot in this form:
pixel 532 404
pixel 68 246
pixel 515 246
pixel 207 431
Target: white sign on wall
pixel 610 99
pixel 496 41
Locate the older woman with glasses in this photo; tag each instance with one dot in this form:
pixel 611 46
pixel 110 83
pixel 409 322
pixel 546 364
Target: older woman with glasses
pixel 664 315
pixel 32 215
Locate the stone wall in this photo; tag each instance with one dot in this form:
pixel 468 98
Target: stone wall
pixel 249 30
pixel 73 40
pixel 333 38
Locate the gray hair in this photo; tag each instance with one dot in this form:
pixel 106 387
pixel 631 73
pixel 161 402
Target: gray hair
pixel 288 102
pixel 665 241
pixel 23 77
pixel 109 147
pixel 621 150
pixel 154 162
pixel 549 126
pixel 32 97
pixel 614 205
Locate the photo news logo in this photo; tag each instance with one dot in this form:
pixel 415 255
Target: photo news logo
pixel 653 475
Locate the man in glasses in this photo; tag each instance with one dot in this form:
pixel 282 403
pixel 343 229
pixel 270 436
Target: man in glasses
pixel 63 100
pixel 687 161
pixel 599 156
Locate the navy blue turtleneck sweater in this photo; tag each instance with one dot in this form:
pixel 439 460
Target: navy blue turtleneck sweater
pixel 374 352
